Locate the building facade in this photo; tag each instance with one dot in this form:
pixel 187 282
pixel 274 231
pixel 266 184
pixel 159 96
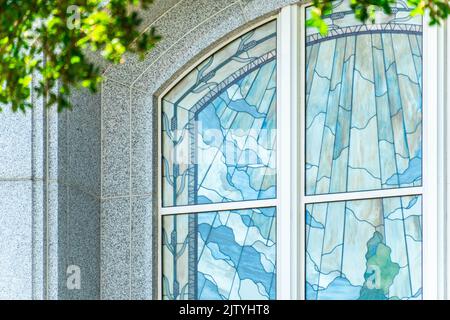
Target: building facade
pixel 247 156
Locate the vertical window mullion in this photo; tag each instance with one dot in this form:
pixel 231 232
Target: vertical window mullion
pixel 288 239
pixel 300 210
pixel 445 40
pixel 431 214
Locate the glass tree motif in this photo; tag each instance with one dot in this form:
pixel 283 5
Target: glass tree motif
pixel 364 249
pixel 364 103
pixel 219 123
pixel 220 255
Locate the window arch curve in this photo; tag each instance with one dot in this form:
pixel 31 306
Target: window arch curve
pixel 218 154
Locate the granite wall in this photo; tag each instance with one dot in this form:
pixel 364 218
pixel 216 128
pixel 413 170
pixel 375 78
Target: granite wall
pixel 78 188
pixel 190 28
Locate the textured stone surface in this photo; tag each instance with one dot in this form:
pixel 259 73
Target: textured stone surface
pixel 141 248
pixel 142 148
pixel 38 208
pixel 53 243
pixel 189 32
pixel 37 138
pixel 15 144
pixel 115 139
pixel 62 241
pixel 172 26
pixel 51 139
pixel 149 17
pixel 156 11
pixel 12 288
pixel 83 141
pixel 15 240
pixel 254 9
pixel 37 232
pixel 74 229
pixel 63 150
pixel 76 241
pixel 101 151
pixel 195 42
pixel 115 249
pixel 83 243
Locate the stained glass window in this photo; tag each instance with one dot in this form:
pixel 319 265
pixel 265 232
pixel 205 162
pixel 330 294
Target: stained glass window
pixel 364 249
pixel 364 103
pixel 219 126
pixel 220 255
pixel 219 148
pixel 364 133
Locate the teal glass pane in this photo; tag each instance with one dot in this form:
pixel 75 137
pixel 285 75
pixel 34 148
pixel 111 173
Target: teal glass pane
pixel 364 103
pixel 219 255
pixel 364 249
pixel 219 126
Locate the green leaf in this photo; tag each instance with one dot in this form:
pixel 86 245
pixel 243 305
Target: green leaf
pixel 25 81
pixel 75 60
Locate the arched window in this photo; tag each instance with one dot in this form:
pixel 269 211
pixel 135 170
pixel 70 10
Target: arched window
pixel 300 165
pixel 364 134
pixel 218 166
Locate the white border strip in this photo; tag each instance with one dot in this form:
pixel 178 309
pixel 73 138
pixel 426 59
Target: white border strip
pixel 361 195
pixel 446 146
pixel 430 211
pixel 287 164
pixel 442 159
pixel 301 281
pixel 218 207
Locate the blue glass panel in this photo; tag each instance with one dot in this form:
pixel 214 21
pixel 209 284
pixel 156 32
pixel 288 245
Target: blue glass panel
pixel 219 126
pixel 220 255
pixel 364 103
pixel 364 249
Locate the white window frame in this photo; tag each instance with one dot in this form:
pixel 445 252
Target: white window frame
pixel 201 208
pixel 291 172
pixel 291 200
pixel 443 160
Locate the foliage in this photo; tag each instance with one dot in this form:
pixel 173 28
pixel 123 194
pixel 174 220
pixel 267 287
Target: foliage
pixel 53 39
pixel 63 31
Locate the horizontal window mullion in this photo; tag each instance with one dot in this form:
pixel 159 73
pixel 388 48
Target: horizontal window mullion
pixel 361 195
pixel 238 205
